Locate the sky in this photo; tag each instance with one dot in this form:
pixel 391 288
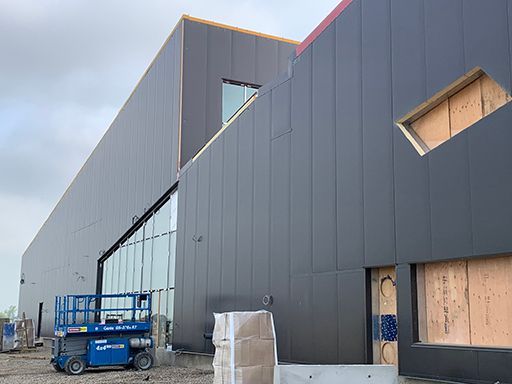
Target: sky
pixel 66 68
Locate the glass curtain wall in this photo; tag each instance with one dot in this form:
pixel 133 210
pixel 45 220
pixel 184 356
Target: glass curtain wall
pixel 145 262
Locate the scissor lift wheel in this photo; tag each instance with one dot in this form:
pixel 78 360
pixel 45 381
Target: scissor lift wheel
pixel 74 366
pixel 143 361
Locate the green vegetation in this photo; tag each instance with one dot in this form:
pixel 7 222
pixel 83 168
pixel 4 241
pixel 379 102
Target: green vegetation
pixel 9 312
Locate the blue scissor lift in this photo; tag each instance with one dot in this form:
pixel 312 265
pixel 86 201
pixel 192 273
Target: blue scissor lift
pixel 102 330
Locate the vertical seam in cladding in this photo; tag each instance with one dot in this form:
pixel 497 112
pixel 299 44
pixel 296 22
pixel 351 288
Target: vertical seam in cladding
pixel 361 127
pixel 289 226
pixel 231 33
pixel 222 217
pixel 335 98
pixel 196 243
pixel 205 95
pixel 467 136
pixel 255 39
pixel 425 93
pixel 237 183
pixel 335 115
pixel 393 134
pixel 182 248
pixel 469 147
pixel 209 158
pixel 509 46
pixel 269 125
pixel 253 113
pixel 310 129
pixel 278 56
pixel 463 35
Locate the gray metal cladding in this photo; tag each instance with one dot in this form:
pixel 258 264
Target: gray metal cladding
pixel 304 207
pixel 212 54
pixel 129 170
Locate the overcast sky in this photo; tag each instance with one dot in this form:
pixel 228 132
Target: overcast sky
pixel 66 67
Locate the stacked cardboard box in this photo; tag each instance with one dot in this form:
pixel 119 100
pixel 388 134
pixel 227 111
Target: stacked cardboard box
pixel 245 348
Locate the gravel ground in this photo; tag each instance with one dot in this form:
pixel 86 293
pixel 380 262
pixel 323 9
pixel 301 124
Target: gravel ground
pixel 33 367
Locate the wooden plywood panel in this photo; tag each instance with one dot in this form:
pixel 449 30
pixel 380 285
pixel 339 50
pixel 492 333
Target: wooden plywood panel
pixel 465 107
pixel 490 301
pixel 493 96
pixel 387 290
pixel 387 308
pixel 446 291
pixel 433 128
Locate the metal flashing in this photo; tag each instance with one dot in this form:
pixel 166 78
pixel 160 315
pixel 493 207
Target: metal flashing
pixel 322 26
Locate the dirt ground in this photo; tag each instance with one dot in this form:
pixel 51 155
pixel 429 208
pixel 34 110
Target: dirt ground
pixel 34 367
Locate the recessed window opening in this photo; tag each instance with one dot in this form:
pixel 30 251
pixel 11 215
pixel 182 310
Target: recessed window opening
pixel 465 302
pixel 454 109
pixel 234 96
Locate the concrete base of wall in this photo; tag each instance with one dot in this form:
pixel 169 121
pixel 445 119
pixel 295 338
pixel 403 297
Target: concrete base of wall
pixel 327 374
pixel 165 357
pixel 184 359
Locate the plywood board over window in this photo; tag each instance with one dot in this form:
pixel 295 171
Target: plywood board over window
pixel 447 304
pixel 465 107
pixel 434 127
pixel 466 302
pixel 385 338
pixel 490 299
pixel 452 110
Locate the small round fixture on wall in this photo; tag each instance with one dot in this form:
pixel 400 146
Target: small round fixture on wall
pixel 267 300
pixel 22 279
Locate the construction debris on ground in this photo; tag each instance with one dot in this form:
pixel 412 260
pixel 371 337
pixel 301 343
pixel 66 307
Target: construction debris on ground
pixel 33 366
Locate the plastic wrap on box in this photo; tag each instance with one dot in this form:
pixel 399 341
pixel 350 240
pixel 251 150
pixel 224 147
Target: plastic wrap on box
pixel 245 348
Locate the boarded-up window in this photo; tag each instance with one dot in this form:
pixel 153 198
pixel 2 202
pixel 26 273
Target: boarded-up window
pixel 453 110
pixel 384 311
pixel 467 302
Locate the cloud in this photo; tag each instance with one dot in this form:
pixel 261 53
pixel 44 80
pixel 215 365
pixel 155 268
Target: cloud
pixel 67 67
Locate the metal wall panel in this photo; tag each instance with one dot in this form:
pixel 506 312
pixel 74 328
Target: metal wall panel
pixel 352 316
pixel 265 68
pixel 324 325
pixel 451 225
pixel 378 177
pixel 324 151
pixel 444 43
pixel 280 239
pixel 348 140
pixel 486 44
pixel 229 218
pixel 201 243
pixel 489 159
pixel 261 218
pixel 301 310
pixel 211 55
pixel 343 190
pixel 245 187
pixel 214 234
pixel 122 178
pixel 281 117
pixel 301 168
pixel 412 211
pixel 195 75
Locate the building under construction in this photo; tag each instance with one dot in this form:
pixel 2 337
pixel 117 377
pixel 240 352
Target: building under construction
pixel 357 185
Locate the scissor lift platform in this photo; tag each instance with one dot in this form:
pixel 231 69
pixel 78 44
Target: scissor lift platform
pixel 102 330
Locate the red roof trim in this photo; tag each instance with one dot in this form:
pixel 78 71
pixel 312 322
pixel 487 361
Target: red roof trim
pixel 322 26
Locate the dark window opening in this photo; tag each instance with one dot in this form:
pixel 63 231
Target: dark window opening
pixel 234 96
